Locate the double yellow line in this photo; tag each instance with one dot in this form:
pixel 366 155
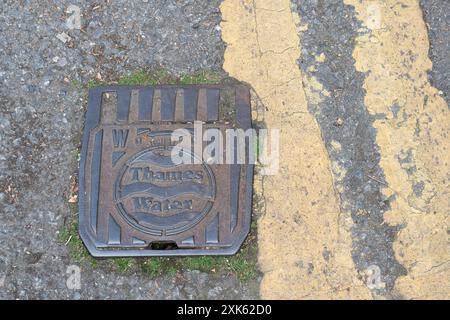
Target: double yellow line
pixel 302 218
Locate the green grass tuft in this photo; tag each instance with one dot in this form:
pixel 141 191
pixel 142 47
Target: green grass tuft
pixel 68 236
pixel 242 266
pixel 156 266
pixel 199 78
pixel 123 264
pixel 201 263
pixel 142 78
pixel 95 83
pixel 155 76
pixel 161 76
pixel 152 267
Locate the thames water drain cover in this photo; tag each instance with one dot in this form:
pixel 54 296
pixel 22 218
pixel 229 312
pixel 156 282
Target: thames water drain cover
pixel 147 190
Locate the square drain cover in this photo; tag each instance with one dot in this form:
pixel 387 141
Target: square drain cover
pixel 135 200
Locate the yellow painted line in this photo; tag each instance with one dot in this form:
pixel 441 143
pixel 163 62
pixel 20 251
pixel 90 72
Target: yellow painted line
pixel 414 140
pixel 304 240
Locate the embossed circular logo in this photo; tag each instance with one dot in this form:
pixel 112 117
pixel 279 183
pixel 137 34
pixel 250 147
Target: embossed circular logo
pixel 157 196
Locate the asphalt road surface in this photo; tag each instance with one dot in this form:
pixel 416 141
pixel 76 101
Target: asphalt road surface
pixel 360 92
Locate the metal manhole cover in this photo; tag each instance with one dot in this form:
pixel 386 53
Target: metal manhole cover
pixel 135 199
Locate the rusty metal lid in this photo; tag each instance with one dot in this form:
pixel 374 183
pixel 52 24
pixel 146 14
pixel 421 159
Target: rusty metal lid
pixel 134 200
